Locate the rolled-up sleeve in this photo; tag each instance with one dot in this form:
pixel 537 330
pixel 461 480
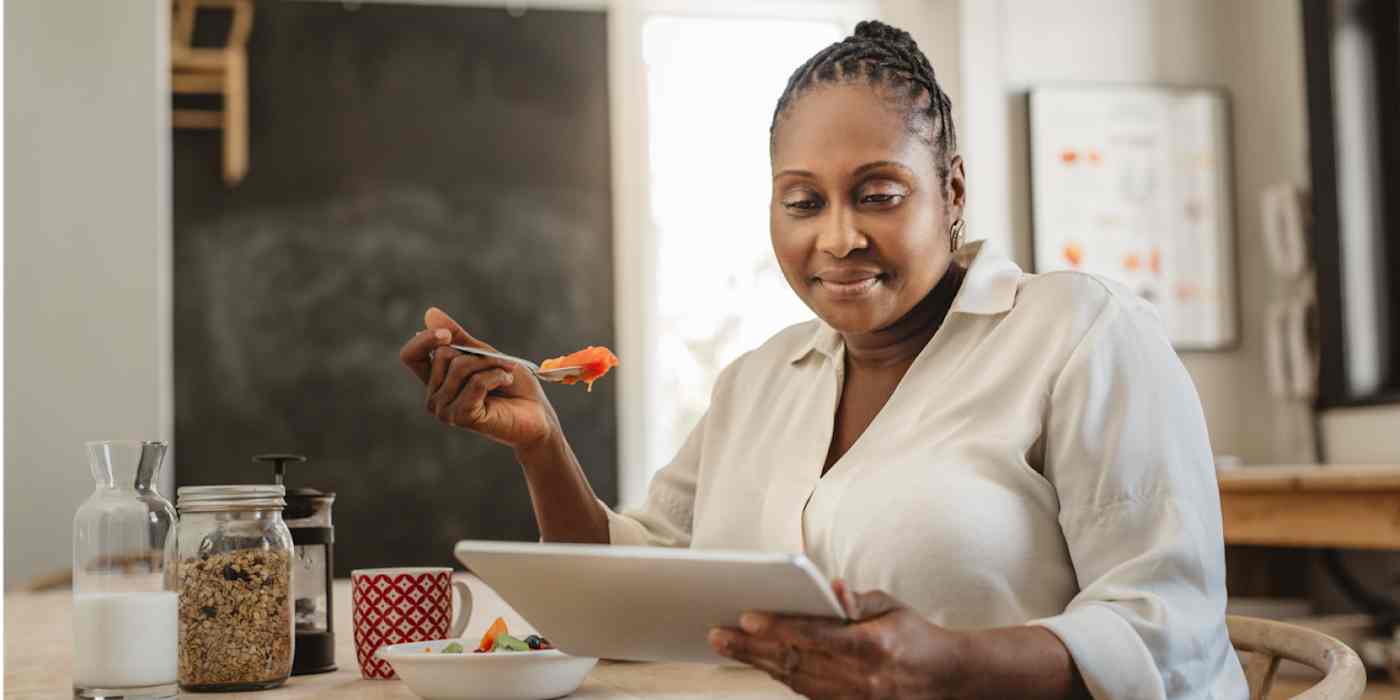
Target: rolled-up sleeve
pixel 666 517
pixel 1127 452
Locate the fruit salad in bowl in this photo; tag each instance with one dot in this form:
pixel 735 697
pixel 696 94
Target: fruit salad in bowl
pixel 500 666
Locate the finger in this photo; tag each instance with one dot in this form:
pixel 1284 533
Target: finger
pixel 459 371
pixel 469 408
pixel 436 318
pixel 804 672
pixel 437 371
pixel 416 354
pixel 762 653
pixel 442 361
pixel 801 630
pixel 871 604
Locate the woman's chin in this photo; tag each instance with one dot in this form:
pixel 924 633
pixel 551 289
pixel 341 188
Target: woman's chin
pixel 852 319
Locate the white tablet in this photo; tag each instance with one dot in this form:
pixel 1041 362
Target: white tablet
pixel 644 603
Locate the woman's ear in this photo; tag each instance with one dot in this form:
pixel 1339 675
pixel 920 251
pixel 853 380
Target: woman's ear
pixel 956 190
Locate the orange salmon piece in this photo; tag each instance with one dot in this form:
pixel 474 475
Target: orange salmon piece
pixel 595 361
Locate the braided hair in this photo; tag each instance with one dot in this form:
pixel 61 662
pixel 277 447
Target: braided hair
pixel 887 56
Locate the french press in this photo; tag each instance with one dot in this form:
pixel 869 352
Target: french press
pixel 308 516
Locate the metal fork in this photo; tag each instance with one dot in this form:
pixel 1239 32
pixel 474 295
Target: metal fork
pixel 557 374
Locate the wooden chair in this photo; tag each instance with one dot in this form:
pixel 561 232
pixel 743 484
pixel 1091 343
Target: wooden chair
pixel 221 70
pixel 1267 642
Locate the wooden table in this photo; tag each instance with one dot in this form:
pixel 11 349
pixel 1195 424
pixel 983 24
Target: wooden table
pixel 39 652
pixel 1301 506
pixel 1353 507
pixel 1344 506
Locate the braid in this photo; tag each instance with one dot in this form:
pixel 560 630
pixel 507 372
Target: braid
pixel 882 55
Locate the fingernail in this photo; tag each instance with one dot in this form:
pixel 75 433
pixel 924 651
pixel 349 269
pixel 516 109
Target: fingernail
pixel 442 334
pixel 750 623
pixel 719 639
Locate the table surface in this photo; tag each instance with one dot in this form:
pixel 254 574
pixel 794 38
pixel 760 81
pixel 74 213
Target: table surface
pixel 39 653
pixel 1311 477
pixel 1343 506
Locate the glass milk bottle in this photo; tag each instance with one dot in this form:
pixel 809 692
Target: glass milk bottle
pixel 124 600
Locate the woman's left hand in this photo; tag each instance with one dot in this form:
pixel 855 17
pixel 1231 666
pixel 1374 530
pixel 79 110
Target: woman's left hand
pixel 884 650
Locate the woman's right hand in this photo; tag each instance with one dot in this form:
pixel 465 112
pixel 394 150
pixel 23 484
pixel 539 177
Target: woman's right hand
pixel 498 399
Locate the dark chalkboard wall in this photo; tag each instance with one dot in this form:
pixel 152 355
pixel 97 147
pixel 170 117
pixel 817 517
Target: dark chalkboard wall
pixel 402 156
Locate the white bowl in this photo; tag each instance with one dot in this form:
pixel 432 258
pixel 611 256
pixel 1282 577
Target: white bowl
pixel 499 675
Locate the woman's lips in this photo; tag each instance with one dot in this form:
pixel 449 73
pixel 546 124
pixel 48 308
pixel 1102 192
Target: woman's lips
pixel 848 290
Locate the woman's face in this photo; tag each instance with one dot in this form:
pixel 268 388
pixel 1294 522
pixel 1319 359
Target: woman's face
pixel 859 219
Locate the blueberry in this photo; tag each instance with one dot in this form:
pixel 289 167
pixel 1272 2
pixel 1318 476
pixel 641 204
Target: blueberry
pixel 533 641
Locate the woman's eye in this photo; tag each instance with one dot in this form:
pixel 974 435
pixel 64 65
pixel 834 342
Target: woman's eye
pixel 881 198
pixel 802 205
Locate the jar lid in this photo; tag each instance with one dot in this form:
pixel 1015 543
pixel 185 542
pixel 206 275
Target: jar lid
pixel 230 497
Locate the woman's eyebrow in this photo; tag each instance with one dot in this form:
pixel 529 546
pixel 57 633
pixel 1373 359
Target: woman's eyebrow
pixel 797 173
pixel 875 165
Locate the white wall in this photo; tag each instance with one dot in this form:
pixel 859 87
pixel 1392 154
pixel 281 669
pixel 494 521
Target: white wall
pixel 1260 44
pixel 1251 47
pixel 1361 435
pixel 87 244
pixel 937 27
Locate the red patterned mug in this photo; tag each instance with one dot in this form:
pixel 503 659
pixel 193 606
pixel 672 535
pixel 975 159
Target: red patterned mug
pixel 398 606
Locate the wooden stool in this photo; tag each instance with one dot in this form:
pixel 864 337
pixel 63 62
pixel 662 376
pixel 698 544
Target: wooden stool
pixel 219 71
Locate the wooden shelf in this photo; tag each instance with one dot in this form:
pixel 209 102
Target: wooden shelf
pixel 1347 506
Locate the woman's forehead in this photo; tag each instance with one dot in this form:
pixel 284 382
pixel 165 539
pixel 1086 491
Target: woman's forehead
pixel 836 129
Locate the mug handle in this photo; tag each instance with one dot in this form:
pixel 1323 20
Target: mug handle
pixel 464 609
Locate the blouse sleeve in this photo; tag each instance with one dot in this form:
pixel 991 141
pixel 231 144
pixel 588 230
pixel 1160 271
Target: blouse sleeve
pixel 1127 452
pixel 664 519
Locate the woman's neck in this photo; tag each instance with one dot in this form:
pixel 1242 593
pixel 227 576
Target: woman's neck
pixel 899 343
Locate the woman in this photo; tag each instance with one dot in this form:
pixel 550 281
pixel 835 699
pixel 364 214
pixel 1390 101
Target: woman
pixel 1012 468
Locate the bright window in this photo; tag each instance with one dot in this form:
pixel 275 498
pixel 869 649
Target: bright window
pixel 712 84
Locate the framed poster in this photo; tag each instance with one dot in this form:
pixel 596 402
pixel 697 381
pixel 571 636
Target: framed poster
pixel 1133 184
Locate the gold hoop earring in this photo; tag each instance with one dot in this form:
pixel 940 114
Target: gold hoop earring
pixel 955 234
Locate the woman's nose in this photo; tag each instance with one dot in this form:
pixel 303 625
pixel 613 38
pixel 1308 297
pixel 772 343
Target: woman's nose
pixel 839 235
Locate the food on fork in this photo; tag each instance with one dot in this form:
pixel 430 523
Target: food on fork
pixel 595 361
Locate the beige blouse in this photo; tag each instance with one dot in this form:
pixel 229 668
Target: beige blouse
pixel 1043 461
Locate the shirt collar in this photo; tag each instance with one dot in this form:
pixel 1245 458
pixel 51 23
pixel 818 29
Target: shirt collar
pixel 988 288
pixel 991 282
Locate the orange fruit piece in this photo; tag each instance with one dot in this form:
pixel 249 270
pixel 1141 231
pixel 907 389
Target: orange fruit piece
pixel 1073 253
pixel 595 361
pixel 496 629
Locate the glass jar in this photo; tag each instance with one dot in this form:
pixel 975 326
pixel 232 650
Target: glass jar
pixel 234 580
pixel 124 601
